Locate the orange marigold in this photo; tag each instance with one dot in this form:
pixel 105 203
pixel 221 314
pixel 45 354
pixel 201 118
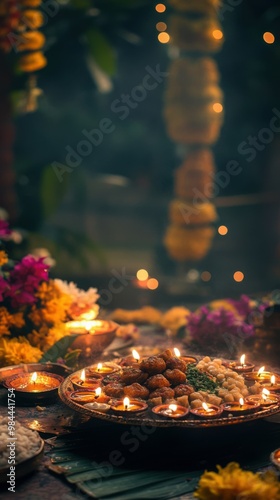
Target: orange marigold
pixel 3 258
pixel 17 351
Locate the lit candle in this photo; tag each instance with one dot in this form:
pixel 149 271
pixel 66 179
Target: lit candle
pixel 272 380
pixel 170 411
pixel 260 376
pixel 104 369
pixel 273 384
pixel 265 398
pixel 242 367
pixel 207 411
pixel 36 386
pixel 261 371
pixel 136 355
pixel 84 381
pixel 187 359
pixel 126 406
pixel 241 407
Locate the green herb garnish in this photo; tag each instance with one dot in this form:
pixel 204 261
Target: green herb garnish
pixel 199 380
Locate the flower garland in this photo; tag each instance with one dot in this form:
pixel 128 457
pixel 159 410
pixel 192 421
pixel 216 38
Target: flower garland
pixel 193 113
pixel 33 307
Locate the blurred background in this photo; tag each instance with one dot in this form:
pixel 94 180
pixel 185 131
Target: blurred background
pixel 104 217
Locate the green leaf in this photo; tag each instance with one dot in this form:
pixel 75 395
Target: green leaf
pixel 72 357
pixel 51 191
pixel 101 51
pixel 58 350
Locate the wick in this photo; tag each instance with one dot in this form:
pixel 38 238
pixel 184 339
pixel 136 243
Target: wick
pixel 125 407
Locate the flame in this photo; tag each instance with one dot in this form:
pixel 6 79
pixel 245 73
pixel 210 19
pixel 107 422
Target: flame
pixel 242 360
pixel 205 407
pixel 126 403
pixel 99 367
pixel 98 391
pixel 34 377
pixel 172 407
pixel 89 315
pixel 241 401
pixel 261 370
pixel 135 354
pixel 266 392
pixel 273 380
pixel 83 375
pixel 177 352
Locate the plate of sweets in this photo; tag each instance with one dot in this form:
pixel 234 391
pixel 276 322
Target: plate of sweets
pixel 172 390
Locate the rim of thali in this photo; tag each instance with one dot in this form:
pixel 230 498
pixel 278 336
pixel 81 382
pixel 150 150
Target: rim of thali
pixel 66 387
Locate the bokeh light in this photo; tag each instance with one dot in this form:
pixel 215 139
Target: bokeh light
pixel 160 7
pixel 268 37
pixel 218 107
pixel 238 276
pixel 163 37
pixel 222 230
pixel 161 26
pixel 142 275
pixel 217 34
pixel 206 276
pixel 152 284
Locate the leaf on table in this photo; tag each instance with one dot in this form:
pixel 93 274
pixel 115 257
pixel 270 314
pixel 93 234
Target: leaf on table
pixel 58 350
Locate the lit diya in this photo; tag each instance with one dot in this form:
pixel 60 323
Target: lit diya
pixel 207 411
pixel 126 406
pixel 34 386
pixel 89 396
pixel 93 336
pixel 104 368
pixel 241 407
pixel 170 411
pixel 84 381
pixel 187 359
pixel 242 367
pixel 132 360
pixel 258 376
pixel 274 384
pixel 265 398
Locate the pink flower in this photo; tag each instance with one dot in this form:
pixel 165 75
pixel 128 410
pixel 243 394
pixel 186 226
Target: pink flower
pixel 25 279
pixel 4 228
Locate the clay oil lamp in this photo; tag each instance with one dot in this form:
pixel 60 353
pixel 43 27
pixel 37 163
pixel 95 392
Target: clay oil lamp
pixel 236 408
pixel 242 366
pixel 83 381
pixel 103 369
pixel 126 406
pixel 265 399
pixel 207 411
pixel 170 411
pixel 187 359
pixel 36 386
pixel 274 384
pixel 260 376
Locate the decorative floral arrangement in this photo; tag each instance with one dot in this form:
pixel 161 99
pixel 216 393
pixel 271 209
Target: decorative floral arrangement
pixel 33 307
pixel 225 323
pixel 232 482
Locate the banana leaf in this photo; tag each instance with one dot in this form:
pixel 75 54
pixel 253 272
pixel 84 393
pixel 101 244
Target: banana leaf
pixel 58 350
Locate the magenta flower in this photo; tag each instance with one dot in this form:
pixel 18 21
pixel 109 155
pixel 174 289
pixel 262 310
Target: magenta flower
pixel 4 228
pixel 25 279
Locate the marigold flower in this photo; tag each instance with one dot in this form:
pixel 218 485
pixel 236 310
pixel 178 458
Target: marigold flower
pixel 232 482
pixel 31 19
pixel 17 351
pixel 3 258
pixel 31 40
pixel 32 62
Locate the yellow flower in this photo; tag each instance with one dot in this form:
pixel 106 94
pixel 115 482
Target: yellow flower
pixel 31 40
pixel 32 62
pixel 4 321
pixel 175 318
pixel 54 305
pixel 17 351
pixel 232 482
pixel 3 258
pixel 46 337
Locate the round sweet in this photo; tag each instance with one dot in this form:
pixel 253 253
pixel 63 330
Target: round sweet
pixel 182 213
pixel 176 363
pixel 153 365
pixel 195 35
pixel 136 391
pixel 114 390
pixel 163 392
pixel 183 390
pixel 175 376
pixel 131 375
pixel 157 381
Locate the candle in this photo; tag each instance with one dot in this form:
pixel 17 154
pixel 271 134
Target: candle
pixel 126 406
pixel 170 411
pixel 34 386
pixel 187 359
pixel 241 407
pixel 89 396
pixel 274 384
pixel 265 398
pixel 104 369
pixel 136 355
pixel 260 376
pixel 242 367
pixel 207 411
pixel 84 381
